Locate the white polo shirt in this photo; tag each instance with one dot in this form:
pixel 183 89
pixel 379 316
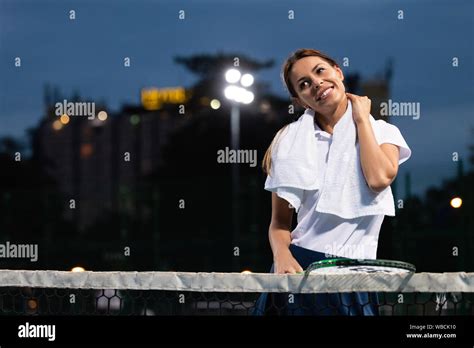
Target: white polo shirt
pixel 330 234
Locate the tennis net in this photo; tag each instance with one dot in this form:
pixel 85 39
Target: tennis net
pixel 25 292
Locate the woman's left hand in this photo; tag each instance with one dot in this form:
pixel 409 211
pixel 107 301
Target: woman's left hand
pixel 360 108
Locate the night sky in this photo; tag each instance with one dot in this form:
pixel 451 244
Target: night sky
pixel 86 55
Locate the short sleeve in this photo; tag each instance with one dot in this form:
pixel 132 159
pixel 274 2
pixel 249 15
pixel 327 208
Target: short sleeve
pixel 292 195
pixel 389 134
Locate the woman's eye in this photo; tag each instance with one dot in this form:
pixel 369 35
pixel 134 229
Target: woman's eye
pixel 303 84
pixel 319 70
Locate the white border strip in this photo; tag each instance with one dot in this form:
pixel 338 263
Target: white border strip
pixel 237 282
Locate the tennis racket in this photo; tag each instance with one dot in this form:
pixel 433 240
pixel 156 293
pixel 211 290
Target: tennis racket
pixel 343 265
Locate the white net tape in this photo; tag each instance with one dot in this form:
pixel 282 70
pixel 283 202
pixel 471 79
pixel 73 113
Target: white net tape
pixel 237 282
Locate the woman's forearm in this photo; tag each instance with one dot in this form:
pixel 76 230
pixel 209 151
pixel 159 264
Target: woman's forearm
pixel 283 260
pixel 378 170
pixel 280 240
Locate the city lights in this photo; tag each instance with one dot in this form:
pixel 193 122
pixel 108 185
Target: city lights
pixel 57 125
pixel 215 104
pixel 232 75
pixel 78 269
pixel 102 115
pixel 64 119
pixel 456 202
pixel 237 93
pixel 134 119
pixel 154 98
pixel 246 80
pixel 32 304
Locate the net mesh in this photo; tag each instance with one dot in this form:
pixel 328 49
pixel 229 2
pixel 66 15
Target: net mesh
pixel 174 293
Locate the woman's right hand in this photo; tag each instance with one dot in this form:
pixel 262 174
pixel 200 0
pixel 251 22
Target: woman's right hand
pixel 284 262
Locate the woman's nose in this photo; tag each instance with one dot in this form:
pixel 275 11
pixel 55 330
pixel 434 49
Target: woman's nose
pixel 317 84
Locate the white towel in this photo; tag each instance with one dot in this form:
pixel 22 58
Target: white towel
pixel 344 191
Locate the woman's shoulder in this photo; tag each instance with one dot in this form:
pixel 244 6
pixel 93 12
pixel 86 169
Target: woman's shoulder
pixel 284 130
pixel 293 125
pixel 382 127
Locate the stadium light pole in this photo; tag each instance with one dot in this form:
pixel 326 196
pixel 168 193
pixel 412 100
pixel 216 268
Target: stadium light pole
pixel 236 92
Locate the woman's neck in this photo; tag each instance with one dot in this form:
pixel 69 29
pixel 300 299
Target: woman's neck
pixel 327 122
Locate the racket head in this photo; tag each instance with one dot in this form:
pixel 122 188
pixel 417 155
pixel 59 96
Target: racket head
pixel 345 265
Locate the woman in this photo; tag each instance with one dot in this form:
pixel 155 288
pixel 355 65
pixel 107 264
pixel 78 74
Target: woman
pixel 334 166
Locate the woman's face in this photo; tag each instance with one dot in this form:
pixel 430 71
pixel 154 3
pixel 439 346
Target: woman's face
pixel 318 84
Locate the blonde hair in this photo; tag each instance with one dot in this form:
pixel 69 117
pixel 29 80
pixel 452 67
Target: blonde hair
pixel 267 158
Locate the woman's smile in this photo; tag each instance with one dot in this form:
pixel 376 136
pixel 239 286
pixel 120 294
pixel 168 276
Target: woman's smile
pixel 324 94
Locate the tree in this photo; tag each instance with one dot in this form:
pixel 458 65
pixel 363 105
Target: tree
pixel 206 65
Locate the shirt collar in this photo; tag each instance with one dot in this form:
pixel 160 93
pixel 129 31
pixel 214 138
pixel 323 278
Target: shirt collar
pixel 318 130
